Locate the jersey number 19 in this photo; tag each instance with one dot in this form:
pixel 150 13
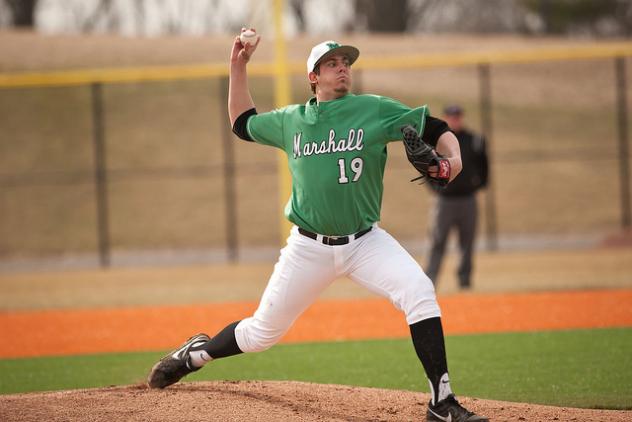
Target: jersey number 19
pixel 356 167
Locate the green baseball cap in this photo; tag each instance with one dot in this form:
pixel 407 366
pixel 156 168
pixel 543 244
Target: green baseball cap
pixel 326 49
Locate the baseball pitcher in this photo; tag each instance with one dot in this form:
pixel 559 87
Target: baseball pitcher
pixel 336 148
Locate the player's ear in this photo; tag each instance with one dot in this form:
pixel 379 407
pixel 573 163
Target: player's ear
pixel 312 77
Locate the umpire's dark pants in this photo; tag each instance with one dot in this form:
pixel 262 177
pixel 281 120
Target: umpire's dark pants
pixel 459 212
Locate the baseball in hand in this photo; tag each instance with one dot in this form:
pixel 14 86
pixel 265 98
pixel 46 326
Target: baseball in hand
pixel 248 36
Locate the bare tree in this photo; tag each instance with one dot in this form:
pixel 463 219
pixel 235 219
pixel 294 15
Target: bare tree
pixel 102 11
pixel 383 16
pixel 296 6
pixel 139 15
pixel 23 12
pixel 624 15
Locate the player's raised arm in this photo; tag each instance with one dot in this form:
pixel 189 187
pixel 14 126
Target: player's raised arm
pixel 239 98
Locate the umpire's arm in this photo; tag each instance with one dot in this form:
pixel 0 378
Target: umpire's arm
pixel 448 147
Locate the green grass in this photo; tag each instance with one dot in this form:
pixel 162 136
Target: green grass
pixel 580 368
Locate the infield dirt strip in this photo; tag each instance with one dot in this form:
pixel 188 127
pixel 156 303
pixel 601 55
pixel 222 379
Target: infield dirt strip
pixel 72 332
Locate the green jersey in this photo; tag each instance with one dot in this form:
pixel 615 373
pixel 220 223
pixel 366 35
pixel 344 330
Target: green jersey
pixel 337 153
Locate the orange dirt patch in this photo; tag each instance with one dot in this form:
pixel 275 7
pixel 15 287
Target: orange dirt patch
pixel 70 332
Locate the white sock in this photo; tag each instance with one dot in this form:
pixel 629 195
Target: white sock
pixel 444 388
pixel 199 358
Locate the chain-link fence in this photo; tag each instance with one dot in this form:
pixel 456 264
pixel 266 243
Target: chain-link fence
pixel 103 169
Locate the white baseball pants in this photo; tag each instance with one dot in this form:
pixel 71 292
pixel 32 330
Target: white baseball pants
pixel 307 266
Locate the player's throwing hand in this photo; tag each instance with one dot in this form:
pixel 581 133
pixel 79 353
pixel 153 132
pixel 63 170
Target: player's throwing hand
pixel 243 51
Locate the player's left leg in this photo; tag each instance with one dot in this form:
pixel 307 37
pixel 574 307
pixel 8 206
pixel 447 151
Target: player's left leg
pixel 383 266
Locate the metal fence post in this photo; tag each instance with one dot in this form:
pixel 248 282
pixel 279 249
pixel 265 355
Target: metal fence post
pixel 486 128
pixel 230 197
pixel 622 120
pixel 100 175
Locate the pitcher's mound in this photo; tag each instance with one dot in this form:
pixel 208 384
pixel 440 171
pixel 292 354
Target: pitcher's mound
pixel 263 401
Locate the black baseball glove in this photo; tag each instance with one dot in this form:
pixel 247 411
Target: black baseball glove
pixel 431 166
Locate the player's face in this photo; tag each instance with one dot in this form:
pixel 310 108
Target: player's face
pixel 334 80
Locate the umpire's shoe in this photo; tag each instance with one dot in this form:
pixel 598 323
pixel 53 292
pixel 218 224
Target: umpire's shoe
pixel 449 410
pixel 177 364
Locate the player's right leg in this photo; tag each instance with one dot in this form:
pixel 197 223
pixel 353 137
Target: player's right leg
pixel 192 355
pixel 304 269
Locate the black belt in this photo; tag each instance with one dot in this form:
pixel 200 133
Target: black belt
pixel 334 240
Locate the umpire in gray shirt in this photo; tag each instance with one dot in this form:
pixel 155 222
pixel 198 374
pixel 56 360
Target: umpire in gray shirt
pixel 456 204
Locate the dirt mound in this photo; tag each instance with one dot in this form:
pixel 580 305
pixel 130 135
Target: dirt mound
pixel 263 401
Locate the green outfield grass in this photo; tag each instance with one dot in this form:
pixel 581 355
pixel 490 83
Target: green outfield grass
pixel 579 368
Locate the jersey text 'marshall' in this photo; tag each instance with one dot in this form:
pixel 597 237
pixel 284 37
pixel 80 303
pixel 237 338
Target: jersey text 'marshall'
pixel 353 142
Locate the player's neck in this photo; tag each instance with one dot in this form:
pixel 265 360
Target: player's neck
pixel 329 96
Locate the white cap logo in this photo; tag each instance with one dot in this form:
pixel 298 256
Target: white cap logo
pixel 327 49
